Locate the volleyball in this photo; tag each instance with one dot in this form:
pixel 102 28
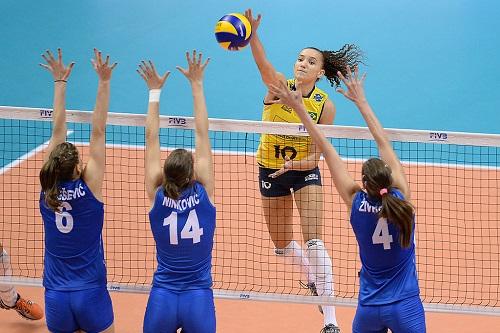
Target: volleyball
pixel 233 31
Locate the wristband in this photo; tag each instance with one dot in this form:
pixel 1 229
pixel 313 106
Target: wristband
pixel 154 95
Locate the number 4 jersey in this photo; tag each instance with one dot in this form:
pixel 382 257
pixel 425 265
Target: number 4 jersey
pixel 184 233
pixel 388 273
pixel 74 253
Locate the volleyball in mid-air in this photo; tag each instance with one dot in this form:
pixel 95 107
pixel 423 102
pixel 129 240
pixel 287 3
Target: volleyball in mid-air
pixel 233 31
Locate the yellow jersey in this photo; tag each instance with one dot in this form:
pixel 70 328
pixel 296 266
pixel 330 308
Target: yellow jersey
pixel 274 147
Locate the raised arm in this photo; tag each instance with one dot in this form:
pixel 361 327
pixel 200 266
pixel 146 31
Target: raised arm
pixel 346 186
pixel 355 92
pixel 153 170
pixel 266 69
pixel 93 174
pixel 311 160
pixel 203 166
pixel 61 74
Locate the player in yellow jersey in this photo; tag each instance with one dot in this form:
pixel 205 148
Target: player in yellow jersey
pixel 288 165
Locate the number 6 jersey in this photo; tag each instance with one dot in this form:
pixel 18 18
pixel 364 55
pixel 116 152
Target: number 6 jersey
pixel 74 252
pixel 184 231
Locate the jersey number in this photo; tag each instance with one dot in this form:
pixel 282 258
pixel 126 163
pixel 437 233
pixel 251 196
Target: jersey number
pixel 381 234
pixel 62 215
pixel 281 153
pixel 191 228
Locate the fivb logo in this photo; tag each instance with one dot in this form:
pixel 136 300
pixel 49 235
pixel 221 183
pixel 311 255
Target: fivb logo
pixel 244 296
pixel 44 113
pixel 177 121
pixel 438 136
pixel 302 129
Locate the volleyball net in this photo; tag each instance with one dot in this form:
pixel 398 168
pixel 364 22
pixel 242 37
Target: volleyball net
pixel 454 178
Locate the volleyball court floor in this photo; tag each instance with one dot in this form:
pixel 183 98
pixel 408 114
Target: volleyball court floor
pixel 243 246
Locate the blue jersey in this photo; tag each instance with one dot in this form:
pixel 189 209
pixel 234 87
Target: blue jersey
pixel 388 272
pixel 184 233
pixel 74 253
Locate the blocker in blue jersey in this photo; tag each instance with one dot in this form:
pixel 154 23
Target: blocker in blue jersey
pixel 182 215
pixel 72 209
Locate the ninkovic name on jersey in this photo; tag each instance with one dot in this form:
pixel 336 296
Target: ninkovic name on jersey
pixel 183 204
pixel 66 195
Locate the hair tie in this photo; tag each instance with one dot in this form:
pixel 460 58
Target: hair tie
pixel 383 191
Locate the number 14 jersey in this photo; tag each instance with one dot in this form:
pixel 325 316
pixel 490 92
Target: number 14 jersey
pixel 183 230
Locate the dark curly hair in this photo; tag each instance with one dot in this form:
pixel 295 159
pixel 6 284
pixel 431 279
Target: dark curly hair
pixel 338 61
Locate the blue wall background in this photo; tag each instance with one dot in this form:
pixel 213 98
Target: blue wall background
pixel 432 64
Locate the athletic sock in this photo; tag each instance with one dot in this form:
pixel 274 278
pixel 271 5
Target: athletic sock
pixel 8 293
pixel 294 255
pixel 321 266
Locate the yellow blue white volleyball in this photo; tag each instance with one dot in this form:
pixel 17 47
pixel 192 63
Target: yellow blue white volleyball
pixel 233 31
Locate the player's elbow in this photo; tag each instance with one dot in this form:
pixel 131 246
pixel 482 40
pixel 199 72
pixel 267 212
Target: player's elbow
pixel 270 76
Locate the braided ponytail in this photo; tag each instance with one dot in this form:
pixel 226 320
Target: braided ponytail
pixel 59 167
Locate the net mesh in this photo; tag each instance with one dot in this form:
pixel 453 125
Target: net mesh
pixel 454 179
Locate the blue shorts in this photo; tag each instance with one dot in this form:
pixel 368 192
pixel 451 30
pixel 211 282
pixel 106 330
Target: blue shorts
pixel 405 316
pixel 89 310
pixel 281 185
pixel 191 310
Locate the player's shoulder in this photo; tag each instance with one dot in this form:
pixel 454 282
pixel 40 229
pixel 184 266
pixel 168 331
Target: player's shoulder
pixel 396 192
pixel 359 196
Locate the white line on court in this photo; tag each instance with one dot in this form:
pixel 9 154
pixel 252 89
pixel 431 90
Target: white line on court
pixel 346 159
pixel 26 156
pixel 235 152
